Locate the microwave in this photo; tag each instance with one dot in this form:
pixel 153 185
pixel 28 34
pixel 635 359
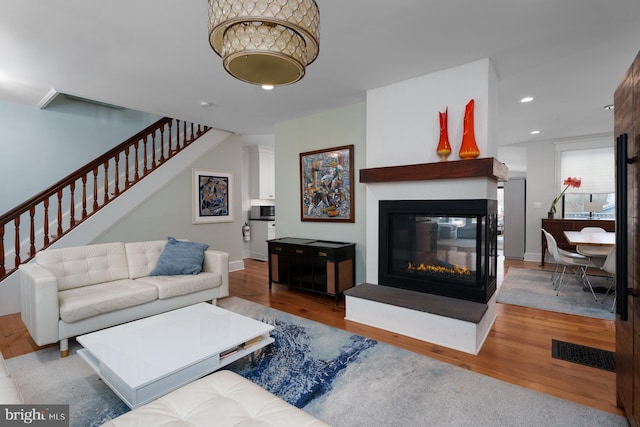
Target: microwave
pixel 263 212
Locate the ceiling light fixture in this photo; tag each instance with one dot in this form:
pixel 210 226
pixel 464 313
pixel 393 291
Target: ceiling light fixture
pixel 526 99
pixel 265 42
pixel 534 132
pixel 608 107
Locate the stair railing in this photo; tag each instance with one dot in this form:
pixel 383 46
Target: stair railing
pixel 98 182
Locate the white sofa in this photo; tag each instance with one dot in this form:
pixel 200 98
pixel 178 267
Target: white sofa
pixel 9 392
pixel 220 399
pixel 72 291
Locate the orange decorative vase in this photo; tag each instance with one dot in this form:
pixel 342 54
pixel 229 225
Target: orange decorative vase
pixel 444 148
pixel 469 148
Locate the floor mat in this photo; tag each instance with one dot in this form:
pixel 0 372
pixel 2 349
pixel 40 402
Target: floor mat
pixel 583 355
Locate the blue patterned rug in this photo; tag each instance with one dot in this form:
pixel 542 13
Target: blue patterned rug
pixel 340 378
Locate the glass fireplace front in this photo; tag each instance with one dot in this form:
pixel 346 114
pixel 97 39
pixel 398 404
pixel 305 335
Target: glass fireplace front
pixel 443 247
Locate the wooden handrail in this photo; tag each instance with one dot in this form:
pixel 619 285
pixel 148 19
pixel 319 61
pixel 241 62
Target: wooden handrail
pixel 130 162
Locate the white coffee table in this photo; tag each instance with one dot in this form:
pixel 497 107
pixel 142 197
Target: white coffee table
pixel 145 359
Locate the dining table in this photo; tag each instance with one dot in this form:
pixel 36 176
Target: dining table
pixel 608 238
pixel 597 244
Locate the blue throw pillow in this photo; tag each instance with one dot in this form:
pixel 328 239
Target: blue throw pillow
pixel 180 258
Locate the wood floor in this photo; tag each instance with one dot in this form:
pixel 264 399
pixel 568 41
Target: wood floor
pixel 517 350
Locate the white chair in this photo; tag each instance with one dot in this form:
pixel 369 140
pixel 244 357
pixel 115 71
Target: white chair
pixel 609 267
pixel 597 254
pixel 563 253
pixel 580 265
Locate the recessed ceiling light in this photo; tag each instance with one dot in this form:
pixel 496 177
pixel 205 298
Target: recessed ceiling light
pixel 608 107
pixel 534 132
pixel 205 104
pixel 267 87
pixel 526 99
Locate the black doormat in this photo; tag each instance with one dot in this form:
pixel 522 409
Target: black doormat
pixel 583 355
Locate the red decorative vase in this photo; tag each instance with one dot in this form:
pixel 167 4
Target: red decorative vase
pixel 444 148
pixel 469 148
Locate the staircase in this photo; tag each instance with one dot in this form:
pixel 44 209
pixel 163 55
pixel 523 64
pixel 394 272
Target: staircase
pixel 40 221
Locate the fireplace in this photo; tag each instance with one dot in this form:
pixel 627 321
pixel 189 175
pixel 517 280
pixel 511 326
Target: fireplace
pixel 441 247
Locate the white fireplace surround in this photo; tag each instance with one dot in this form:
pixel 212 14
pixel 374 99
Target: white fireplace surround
pixel 448 332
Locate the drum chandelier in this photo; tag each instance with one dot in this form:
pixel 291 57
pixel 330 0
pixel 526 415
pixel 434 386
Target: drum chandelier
pixel 265 42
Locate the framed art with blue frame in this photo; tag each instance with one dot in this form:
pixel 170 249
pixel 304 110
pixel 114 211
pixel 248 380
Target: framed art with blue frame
pixel 212 196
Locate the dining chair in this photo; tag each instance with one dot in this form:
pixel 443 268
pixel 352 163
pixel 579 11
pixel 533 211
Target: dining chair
pixel 597 254
pixel 563 253
pixel 609 267
pixel 564 260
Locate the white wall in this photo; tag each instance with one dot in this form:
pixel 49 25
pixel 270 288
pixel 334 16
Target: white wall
pixel 402 118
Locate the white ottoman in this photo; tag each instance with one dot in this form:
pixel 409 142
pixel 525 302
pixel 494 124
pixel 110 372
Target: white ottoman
pixel 221 399
pixel 9 392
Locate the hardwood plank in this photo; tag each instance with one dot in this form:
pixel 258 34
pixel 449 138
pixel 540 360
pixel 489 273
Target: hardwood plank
pixel 517 350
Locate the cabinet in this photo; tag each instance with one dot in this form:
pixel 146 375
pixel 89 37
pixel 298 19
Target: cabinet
pixel 262 180
pixel 556 227
pixel 261 231
pixel 319 266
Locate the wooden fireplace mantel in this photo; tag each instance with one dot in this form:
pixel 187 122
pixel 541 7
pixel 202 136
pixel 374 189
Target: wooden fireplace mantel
pixel 488 167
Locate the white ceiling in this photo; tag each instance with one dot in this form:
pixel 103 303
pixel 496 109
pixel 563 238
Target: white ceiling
pixel 154 56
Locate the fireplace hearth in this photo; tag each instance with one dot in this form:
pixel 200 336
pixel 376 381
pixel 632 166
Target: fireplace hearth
pixel 441 247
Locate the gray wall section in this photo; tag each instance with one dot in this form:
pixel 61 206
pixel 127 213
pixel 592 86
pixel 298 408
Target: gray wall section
pixel 40 147
pixel 342 126
pixel 168 211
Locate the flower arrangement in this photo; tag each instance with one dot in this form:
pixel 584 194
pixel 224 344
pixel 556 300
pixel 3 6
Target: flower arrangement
pixel 569 182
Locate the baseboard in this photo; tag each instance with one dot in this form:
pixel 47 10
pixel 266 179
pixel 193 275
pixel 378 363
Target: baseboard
pixel 236 265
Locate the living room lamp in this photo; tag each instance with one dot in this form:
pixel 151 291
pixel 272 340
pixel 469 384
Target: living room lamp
pixel 265 42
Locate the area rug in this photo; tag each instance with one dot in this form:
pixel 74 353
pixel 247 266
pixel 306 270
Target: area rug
pixel 343 379
pixel 533 288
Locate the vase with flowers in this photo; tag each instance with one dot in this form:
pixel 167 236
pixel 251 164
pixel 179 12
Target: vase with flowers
pixel 569 182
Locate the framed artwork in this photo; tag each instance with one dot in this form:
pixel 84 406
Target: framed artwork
pixel 212 192
pixel 326 185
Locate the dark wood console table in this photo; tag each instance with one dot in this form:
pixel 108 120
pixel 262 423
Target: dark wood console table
pixel 556 227
pixel 319 266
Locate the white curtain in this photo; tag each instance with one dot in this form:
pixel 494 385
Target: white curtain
pixel 596 167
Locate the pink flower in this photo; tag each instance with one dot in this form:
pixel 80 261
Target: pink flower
pixel 569 182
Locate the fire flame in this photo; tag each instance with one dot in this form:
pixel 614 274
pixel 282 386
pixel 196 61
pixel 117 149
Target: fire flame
pixel 439 269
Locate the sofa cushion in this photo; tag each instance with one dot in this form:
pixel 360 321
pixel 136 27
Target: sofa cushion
pixel 88 301
pixel 223 398
pixel 179 257
pixel 85 265
pixel 173 286
pixel 9 392
pixel 143 257
pixel 4 372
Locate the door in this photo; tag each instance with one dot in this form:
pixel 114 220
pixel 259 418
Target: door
pixel 627 131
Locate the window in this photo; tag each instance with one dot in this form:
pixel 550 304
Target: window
pixel 596 196
pixel 593 205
